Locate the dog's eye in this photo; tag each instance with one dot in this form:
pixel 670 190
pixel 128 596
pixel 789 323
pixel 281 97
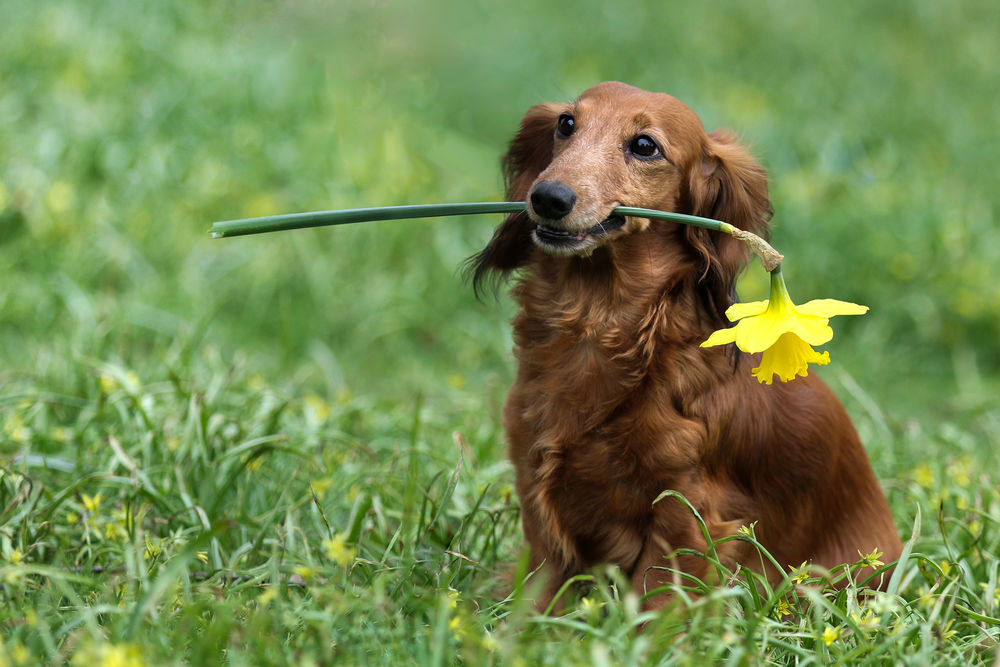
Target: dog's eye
pixel 565 125
pixel 643 146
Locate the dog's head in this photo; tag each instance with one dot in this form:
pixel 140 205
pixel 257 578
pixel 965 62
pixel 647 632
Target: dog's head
pixel 617 145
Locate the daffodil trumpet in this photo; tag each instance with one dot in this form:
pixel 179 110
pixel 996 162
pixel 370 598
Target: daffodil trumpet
pixel 783 332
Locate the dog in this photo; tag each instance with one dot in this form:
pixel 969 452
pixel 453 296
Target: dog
pixel 614 401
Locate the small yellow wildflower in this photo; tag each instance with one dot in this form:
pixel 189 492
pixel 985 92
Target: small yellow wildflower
pixel 152 551
pixel 304 571
pixel 923 475
pixel 20 653
pixel 453 596
pixel 109 655
pixel 947 632
pixel 16 557
pixel 268 596
pixel 830 635
pixel 202 556
pixel 996 591
pixel 871 560
pixel 117 527
pixel 92 503
pixel 926 598
pixel 121 593
pixel 783 331
pixel 961 471
pixel 801 573
pixel 60 197
pixel 16 430
pixel 489 642
pixel 132 382
pixel 455 625
pixel 591 609
pixel 782 609
pixel 945 567
pixel 317 409
pixel 107 384
pixel 866 620
pixel 338 550
pixel 71 518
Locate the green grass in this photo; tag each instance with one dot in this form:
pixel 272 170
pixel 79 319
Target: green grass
pixel 287 449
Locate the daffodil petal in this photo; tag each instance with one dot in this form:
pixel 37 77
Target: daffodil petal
pixel 788 358
pixel 721 337
pixel 756 334
pixel 811 328
pixel 738 311
pixel 831 307
pixel 763 374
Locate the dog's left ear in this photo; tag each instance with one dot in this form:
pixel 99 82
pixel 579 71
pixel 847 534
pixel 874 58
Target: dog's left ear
pixel 727 184
pixel 529 152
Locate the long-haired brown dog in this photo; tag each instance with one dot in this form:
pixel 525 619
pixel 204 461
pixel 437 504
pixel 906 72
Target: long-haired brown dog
pixel 615 402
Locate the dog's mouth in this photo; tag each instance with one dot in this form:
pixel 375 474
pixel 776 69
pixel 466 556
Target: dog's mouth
pixel 559 239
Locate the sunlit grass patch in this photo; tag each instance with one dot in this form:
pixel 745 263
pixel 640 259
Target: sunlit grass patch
pixel 376 534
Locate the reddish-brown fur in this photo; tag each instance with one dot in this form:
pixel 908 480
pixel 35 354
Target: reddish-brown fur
pixel 615 402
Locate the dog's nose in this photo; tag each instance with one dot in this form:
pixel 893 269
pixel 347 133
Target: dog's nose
pixel 552 200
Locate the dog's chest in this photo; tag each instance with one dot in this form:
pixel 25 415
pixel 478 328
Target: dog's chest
pixel 597 492
pixel 594 435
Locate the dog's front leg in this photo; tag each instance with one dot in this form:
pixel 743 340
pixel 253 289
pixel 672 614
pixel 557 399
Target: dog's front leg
pixel 663 562
pixel 544 565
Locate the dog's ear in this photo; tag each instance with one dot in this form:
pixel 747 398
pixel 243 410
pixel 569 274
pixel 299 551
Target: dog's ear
pixel 727 184
pixel 530 151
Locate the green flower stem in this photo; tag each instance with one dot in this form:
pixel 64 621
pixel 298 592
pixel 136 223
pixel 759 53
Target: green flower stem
pixel 276 223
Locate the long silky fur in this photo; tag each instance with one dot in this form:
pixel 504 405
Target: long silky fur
pixel 615 402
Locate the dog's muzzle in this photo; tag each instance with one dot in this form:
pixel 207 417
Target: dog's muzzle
pixel 552 236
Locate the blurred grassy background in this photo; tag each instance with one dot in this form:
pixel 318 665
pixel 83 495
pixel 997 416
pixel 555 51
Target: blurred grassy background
pixel 126 128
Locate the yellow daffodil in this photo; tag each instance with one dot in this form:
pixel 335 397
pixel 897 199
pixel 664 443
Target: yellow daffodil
pixel 784 332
